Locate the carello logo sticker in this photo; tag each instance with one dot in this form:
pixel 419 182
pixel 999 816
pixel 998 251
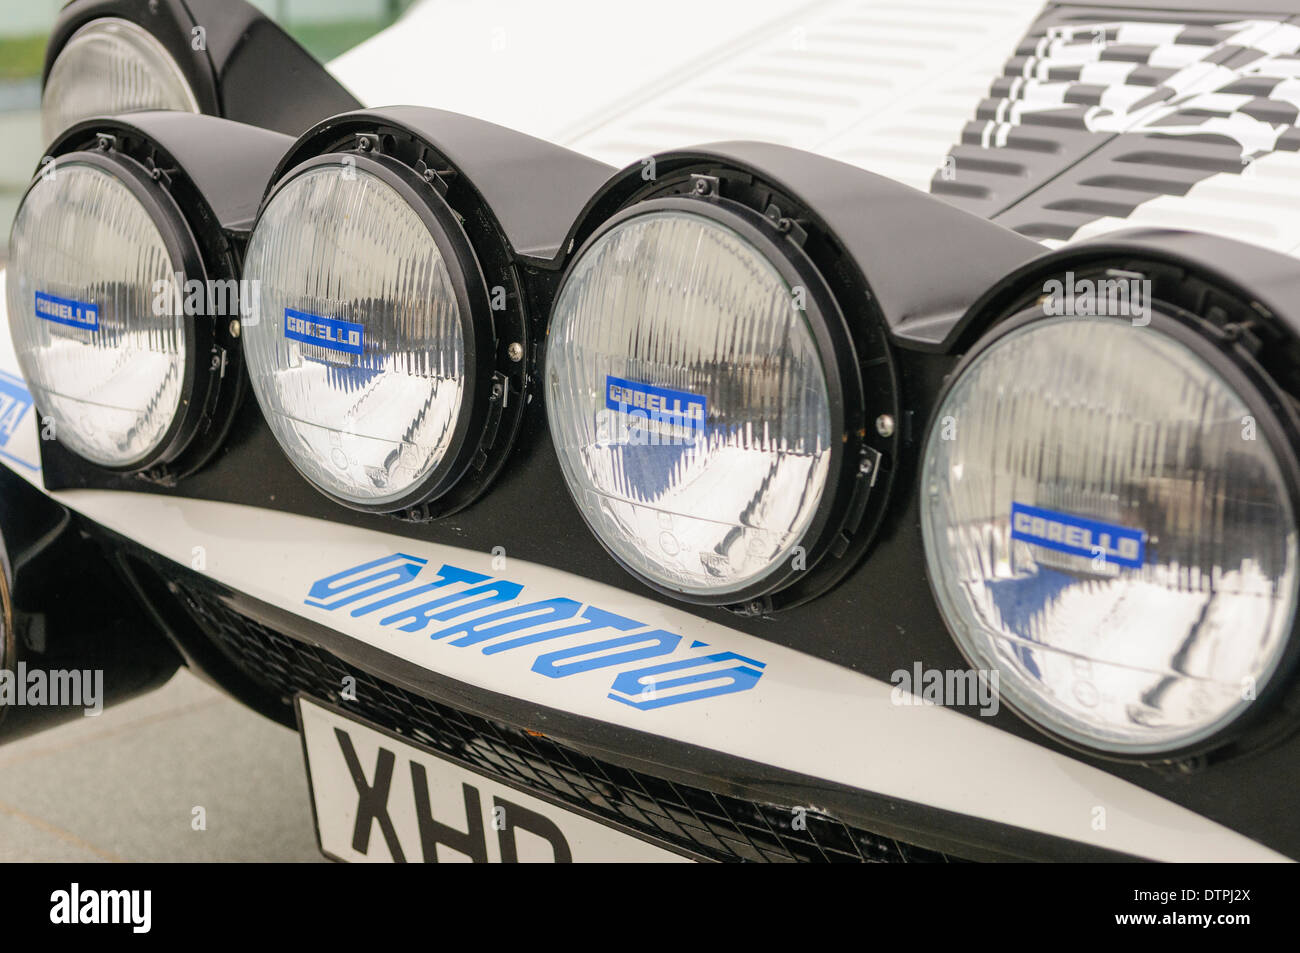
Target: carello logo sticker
pixel 1078 536
pixel 75 314
pixel 644 667
pixel 330 333
pixel 658 403
pixel 637 413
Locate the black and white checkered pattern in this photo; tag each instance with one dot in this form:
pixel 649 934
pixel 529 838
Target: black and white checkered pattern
pixel 1218 93
pixel 1239 79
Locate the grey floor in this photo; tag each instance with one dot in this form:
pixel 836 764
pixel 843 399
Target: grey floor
pixel 123 786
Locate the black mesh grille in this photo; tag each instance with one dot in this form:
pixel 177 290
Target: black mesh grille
pixel 714 826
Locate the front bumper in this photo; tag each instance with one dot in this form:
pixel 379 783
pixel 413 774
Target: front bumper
pixel 704 783
pixel 722 812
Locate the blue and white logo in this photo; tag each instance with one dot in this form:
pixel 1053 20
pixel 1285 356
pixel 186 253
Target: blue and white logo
pixel 1078 536
pixel 15 402
pixel 660 403
pixel 74 314
pixel 637 413
pixel 555 637
pixel 346 337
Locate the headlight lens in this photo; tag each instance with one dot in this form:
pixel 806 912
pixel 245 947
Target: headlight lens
pixel 1107 528
pixel 688 402
pixel 360 359
pixel 106 365
pixel 111 66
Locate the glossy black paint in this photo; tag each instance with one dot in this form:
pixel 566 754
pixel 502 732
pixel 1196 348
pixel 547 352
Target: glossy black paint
pixel 923 260
pixel 69 609
pixel 530 190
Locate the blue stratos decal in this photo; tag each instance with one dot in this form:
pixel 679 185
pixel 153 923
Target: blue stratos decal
pixel 558 637
pixel 15 402
pixel 75 314
pixel 659 403
pixel 1078 536
pixel 330 333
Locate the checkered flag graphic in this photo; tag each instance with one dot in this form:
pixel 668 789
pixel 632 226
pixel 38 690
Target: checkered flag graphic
pixel 1239 80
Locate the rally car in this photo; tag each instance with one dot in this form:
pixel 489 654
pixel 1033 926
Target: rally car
pixel 856 430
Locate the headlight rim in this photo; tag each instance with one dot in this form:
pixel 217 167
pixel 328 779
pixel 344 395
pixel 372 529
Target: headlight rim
pixel 1271 714
pixel 435 495
pixel 839 512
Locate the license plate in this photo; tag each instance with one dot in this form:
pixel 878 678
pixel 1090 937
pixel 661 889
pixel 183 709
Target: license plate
pixel 379 798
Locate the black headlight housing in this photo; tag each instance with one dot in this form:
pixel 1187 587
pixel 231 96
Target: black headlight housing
pixel 472 183
pixel 1231 305
pixel 888 270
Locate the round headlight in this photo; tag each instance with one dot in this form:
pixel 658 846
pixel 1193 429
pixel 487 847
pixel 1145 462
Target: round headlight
pixel 111 66
pixel 366 355
pixel 91 240
pixel 697 398
pixel 1109 525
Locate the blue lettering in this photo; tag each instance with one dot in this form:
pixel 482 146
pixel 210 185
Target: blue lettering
pixel 516 618
pixel 642 689
pixel 595 619
pixel 512 627
pixel 75 314
pixel 331 333
pixel 671 406
pixel 447 576
pixel 393 571
pixel 1078 535
pixel 661 643
pixel 494 592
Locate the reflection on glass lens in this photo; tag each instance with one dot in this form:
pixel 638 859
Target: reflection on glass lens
pixel 688 402
pixel 111 66
pixel 102 361
pixel 357 356
pixel 1106 526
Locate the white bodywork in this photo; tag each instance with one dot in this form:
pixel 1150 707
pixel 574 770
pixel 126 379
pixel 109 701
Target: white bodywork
pixel 882 84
